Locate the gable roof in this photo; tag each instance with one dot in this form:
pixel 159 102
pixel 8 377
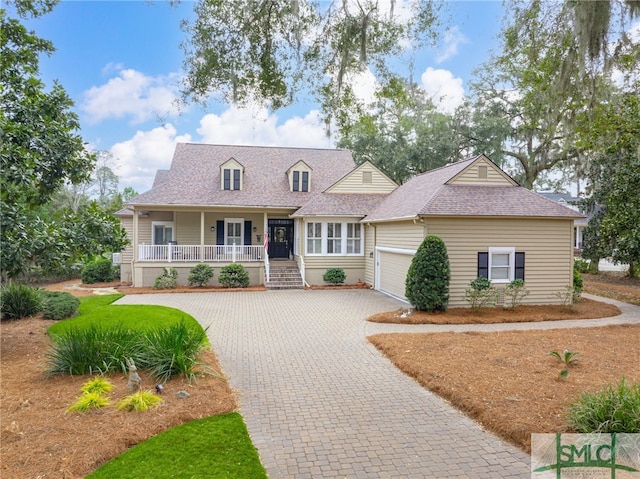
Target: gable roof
pixel 431 194
pixel 194 177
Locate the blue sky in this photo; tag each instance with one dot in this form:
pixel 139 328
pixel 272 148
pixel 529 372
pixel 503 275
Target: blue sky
pixel 120 61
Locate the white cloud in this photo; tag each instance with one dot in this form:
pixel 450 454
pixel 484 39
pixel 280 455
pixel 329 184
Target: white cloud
pixel 443 88
pixel 256 126
pixel 453 38
pixel 131 94
pixel 138 159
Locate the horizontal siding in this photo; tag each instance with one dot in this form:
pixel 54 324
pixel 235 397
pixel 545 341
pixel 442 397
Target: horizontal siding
pixel 187 227
pixel 470 176
pixel 546 243
pixel 369 254
pixel 404 235
pixel 315 267
pixel 353 182
pixel 127 223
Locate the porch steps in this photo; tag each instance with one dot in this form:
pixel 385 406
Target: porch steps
pixel 284 275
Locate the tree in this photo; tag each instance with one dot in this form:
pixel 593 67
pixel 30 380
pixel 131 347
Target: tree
pixel 427 282
pixel 269 51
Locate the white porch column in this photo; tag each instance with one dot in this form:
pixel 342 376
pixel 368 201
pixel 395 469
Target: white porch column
pixel 135 235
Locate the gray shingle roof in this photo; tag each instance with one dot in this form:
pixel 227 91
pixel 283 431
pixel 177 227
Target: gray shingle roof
pixel 427 194
pixel 194 177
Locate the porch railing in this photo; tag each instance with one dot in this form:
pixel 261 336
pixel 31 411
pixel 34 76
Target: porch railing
pixel 197 253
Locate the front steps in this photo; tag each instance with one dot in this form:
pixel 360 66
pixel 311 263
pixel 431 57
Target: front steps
pixel 284 275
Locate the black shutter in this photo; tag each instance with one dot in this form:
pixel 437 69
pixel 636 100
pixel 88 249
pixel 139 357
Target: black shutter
pixel 296 181
pixel 236 179
pixel 227 179
pixel 483 265
pixel 247 232
pixel 220 231
pixel 305 181
pixel 519 266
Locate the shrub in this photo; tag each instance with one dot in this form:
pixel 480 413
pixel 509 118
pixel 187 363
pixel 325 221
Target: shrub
pixel 98 271
pixel 19 301
pixel 58 305
pixel 334 276
pixel 172 351
pixel 581 265
pixel 167 280
pixel 577 284
pixel 200 275
pixel 613 409
pixel 515 292
pixel 140 401
pixel 480 293
pixel 88 401
pixel 427 282
pixel 234 275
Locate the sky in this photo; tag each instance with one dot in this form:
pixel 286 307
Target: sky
pixel 121 63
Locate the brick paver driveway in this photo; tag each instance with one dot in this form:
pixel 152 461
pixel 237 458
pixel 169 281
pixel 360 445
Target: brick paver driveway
pixel 319 401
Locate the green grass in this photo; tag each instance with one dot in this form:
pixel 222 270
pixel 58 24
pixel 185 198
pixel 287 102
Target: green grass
pixel 215 447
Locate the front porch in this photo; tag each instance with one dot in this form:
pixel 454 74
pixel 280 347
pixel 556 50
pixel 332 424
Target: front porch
pixel 201 253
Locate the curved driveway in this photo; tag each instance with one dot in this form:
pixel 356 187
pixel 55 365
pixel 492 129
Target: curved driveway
pixel 320 401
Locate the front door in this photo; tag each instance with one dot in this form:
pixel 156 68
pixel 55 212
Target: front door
pixel 280 239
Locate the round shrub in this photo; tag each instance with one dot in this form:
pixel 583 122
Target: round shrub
pixel 98 271
pixel 19 301
pixel 59 305
pixel 234 275
pixel 334 276
pixel 200 275
pixel 427 282
pixel 167 280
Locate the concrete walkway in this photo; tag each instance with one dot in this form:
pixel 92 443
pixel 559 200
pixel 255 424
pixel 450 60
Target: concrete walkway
pixel 320 401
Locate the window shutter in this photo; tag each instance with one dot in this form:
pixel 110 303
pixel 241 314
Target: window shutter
pixel 483 265
pixel 247 232
pixel 236 179
pixel 220 231
pixel 519 272
pixel 227 180
pixel 305 181
pixel 296 180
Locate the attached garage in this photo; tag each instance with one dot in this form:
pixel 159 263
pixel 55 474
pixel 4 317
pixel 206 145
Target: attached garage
pixel 391 271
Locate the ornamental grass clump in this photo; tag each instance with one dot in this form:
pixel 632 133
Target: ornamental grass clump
pixel 613 409
pixel 138 402
pixel 89 401
pixel 19 301
pixel 427 282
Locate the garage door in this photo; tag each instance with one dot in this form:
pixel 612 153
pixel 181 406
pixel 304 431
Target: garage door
pixel 392 272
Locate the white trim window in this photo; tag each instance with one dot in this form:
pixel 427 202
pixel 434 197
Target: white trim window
pixel 162 232
pixel 354 238
pixel 233 231
pixel 314 238
pixel 502 264
pixel 334 238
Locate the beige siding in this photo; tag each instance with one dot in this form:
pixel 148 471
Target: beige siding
pixel 354 181
pixel 300 166
pixel 127 223
pixel 187 228
pixel 315 267
pixel 369 253
pixel 393 272
pixel 546 244
pixel 470 175
pixel 404 235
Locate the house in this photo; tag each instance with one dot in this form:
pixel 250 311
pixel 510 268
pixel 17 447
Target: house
pixel 313 209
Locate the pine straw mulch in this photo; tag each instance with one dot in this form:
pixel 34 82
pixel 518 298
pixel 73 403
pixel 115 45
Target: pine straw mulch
pixel 38 439
pixel 613 285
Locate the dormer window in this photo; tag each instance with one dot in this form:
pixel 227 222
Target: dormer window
pixel 231 173
pixel 231 179
pixel 300 181
pixel 300 177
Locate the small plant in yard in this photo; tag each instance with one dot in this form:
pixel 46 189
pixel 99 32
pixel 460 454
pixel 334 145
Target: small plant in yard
pixel 613 409
pixel 566 297
pixel 59 305
pixel 581 265
pixel 138 402
pixel 200 275
pixel 515 292
pixel 97 385
pixel 567 357
pixel 167 280
pixel 481 293
pixel 19 301
pixel 334 276
pixel 97 271
pixel 427 281
pixel 89 401
pixel 577 284
pixel 234 275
